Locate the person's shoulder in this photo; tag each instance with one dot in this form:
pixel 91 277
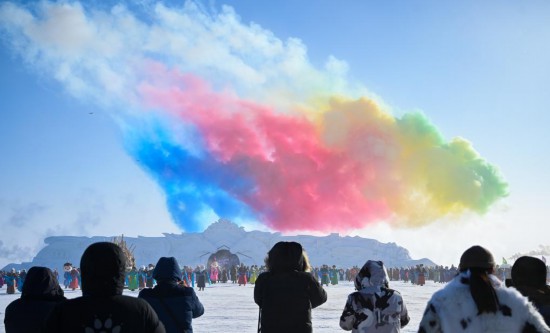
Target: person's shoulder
pixel 132 302
pixel 71 301
pixel 183 291
pixel 354 294
pixel 394 291
pixel 306 276
pixel 544 295
pixel 70 304
pixel 455 289
pixel 263 275
pixel 513 295
pixel 127 299
pixel 146 292
pixel 13 305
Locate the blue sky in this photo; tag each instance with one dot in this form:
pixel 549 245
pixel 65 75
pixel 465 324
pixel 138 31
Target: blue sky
pixel 478 70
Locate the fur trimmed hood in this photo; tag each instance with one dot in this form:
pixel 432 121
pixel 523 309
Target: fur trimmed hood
pixel 452 309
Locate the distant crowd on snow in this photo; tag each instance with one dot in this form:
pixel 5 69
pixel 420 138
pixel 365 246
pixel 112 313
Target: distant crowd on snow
pixel 140 278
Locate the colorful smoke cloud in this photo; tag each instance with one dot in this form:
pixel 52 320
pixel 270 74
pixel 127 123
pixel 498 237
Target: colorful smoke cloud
pixel 232 121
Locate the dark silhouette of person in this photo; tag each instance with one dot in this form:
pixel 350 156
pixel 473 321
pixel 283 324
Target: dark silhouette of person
pixel 529 278
pixel 287 292
pixel 175 304
pixel 102 307
pixel 40 294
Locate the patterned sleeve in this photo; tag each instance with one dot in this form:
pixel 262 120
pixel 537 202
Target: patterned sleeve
pixel 347 320
pixel 430 322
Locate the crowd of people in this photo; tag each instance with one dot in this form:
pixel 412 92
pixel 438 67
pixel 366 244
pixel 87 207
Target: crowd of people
pixel 286 289
pixel 199 277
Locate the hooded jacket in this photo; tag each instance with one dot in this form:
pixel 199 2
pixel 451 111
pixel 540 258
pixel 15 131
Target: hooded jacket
pixel 102 307
pixel 40 294
pixel 452 309
pixel 374 307
pixel 286 293
pixel 176 305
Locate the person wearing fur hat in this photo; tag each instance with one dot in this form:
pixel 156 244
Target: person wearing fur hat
pixel 287 292
pixel 374 307
pixel 476 301
pixel 175 304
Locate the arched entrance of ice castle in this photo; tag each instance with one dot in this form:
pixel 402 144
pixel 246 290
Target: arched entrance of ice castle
pixel 225 259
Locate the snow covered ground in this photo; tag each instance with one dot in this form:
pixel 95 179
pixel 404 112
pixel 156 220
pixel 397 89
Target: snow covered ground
pixel 230 308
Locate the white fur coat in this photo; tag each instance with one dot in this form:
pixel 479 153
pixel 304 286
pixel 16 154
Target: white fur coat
pixel 452 309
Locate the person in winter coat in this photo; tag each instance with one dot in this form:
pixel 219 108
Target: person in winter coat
pixel 149 281
pixel 21 280
pixel 40 294
pixel 325 277
pixel 214 271
pixel 233 274
pixel 243 275
pixel 287 292
pixel 75 282
pixel 175 304
pixel 374 307
pixel 67 268
pixel 476 301
pixel 201 275
pixel 529 278
pixel 102 307
pixel 11 281
pixel 133 282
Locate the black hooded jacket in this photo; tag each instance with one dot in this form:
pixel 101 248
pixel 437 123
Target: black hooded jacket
pixel 176 305
pixel 40 294
pixel 102 306
pixel 286 293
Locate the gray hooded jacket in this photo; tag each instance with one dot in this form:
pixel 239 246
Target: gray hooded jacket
pixel 374 307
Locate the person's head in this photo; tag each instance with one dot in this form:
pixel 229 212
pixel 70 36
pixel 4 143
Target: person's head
pixel 478 263
pixel 477 257
pixel 286 256
pixel 167 270
pixel 103 267
pixel 529 271
pixel 372 274
pixel 41 283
